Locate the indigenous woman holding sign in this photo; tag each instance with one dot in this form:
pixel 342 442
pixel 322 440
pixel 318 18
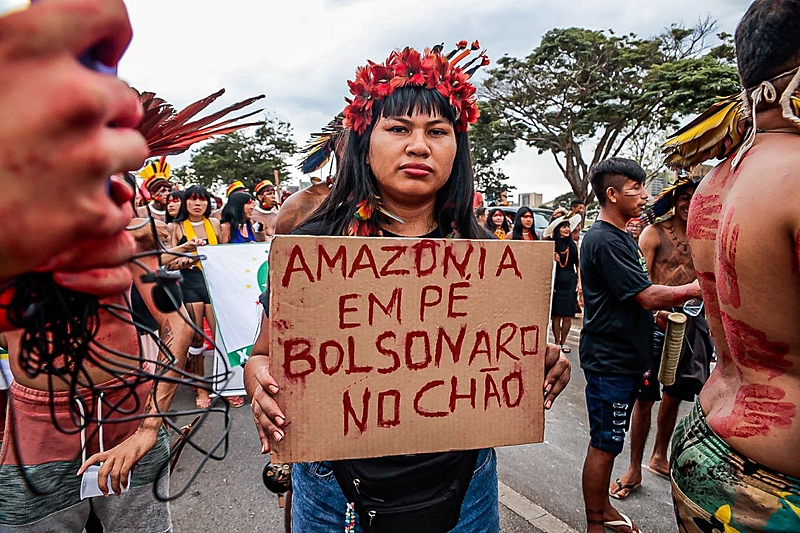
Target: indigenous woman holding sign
pixel 405 172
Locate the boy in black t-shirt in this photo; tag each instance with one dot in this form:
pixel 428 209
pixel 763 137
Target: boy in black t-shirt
pixel 617 331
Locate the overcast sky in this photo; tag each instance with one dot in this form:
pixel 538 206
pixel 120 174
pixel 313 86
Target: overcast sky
pixel 300 53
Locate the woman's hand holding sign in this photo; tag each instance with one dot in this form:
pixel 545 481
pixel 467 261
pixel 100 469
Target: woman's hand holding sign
pixel 557 369
pixel 261 388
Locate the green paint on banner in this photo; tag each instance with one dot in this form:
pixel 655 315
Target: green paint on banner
pixel 239 357
pixel 263 272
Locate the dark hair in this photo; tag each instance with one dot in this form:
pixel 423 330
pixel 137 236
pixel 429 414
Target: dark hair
pixel 480 212
pixel 612 172
pixel 680 190
pixel 174 193
pixel 562 243
pixel 194 191
pixel 768 40
pixel 355 181
pixel 517 231
pixel 233 212
pixel 490 225
pixel 575 203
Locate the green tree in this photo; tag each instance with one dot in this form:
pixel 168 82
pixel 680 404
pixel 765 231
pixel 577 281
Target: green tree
pixel 491 140
pixel 585 95
pixel 237 156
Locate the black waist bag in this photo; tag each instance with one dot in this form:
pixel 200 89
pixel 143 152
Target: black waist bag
pixel 400 494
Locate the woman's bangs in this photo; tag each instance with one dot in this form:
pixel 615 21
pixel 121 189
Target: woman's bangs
pixel 195 192
pixel 405 101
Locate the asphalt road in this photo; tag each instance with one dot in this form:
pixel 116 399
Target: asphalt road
pixel 227 496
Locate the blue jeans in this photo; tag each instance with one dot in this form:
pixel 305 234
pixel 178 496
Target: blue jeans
pixel 319 505
pixel 609 399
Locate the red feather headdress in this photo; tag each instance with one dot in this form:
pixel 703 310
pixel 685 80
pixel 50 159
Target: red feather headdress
pixel 431 69
pixel 169 132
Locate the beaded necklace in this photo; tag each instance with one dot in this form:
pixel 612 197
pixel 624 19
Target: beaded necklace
pixel 684 245
pixel 565 253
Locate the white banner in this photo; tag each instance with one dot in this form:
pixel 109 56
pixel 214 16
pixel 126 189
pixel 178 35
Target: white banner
pixel 236 275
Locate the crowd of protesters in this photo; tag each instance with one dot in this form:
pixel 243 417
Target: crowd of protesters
pixel 734 465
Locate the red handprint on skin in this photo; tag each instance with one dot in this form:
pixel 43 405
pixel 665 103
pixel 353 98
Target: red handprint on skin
pixel 750 348
pixel 727 245
pixel 704 217
pixel 756 411
pixel 708 285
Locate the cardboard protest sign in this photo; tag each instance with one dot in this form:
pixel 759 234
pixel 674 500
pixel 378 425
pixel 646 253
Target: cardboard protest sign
pixel 386 346
pixel 236 275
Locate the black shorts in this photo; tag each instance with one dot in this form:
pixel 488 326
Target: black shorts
pixel 193 286
pixel 609 400
pixel 651 387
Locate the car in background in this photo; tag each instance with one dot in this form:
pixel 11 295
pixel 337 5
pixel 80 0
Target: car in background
pixel 541 217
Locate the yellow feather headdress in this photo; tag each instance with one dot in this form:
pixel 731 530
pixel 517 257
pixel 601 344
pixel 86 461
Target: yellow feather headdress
pixel 729 125
pixel 155 172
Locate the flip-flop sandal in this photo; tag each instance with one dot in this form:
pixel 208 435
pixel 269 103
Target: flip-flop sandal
pixel 630 487
pixel 566 349
pixel 617 525
pixel 235 401
pixel 202 403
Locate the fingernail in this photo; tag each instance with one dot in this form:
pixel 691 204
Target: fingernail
pixel 273 389
pixel 280 420
pixel 548 387
pixel 548 404
pixel 263 449
pixel 278 435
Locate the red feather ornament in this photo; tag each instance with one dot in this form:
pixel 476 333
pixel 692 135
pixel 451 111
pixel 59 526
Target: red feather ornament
pixel 169 132
pixel 432 70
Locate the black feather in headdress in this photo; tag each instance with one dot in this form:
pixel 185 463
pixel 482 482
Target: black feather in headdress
pixel 319 149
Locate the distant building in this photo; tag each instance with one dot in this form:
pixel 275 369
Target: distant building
pixel 700 171
pixel 658 182
pixel 531 199
pixel 665 178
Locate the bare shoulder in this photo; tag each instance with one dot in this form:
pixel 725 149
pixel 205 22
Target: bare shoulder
pixel 770 176
pixel 299 206
pixel 774 159
pixel 649 237
pixel 145 237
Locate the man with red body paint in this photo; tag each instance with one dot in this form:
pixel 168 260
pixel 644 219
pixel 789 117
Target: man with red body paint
pixel 735 464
